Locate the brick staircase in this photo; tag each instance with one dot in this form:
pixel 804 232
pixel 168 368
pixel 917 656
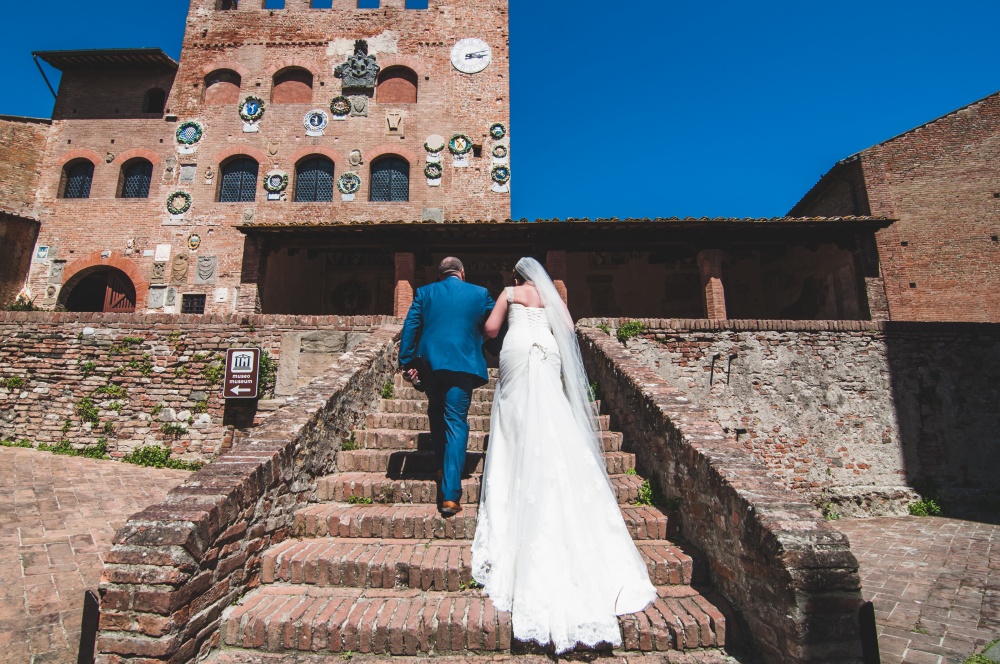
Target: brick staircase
pixel 376 569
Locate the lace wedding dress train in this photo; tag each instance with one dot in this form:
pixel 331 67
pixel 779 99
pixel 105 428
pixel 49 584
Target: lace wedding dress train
pixel 551 546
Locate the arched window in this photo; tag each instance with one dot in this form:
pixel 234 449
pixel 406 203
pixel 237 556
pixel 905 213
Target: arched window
pixel 222 86
pixel 292 85
pixel 154 101
pixel 77 176
pixel 396 85
pixel 314 180
pixel 239 180
pixel 135 177
pixel 390 179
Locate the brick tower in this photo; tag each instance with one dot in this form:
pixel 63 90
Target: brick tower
pixel 301 114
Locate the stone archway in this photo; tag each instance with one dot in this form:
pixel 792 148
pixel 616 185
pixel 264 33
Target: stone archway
pixel 99 288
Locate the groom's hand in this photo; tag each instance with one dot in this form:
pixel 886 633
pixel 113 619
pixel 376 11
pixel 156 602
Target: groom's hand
pixel 410 374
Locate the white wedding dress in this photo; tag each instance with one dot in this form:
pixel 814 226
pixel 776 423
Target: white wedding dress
pixel 551 546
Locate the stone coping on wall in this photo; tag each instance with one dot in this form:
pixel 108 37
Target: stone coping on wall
pixel 176 566
pixel 774 325
pixel 791 577
pixel 138 318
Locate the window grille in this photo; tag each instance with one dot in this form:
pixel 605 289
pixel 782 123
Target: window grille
pixel 136 178
pixel 390 180
pixel 314 181
pixel 193 304
pixel 78 179
pixel 239 181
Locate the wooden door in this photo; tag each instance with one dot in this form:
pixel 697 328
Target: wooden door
pixel 119 297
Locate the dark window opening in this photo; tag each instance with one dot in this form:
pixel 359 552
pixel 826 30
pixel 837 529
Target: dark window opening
pixel 77 178
pixel 314 180
pixel 226 4
pixel 193 304
pixel 136 175
pixel 390 180
pixel 239 181
pixel 154 101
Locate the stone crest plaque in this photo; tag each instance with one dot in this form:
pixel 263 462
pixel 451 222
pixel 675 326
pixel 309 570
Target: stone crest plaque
pixel 204 272
pixel 158 275
pixel 56 272
pixel 360 70
pixel 179 269
pixel 157 297
pixel 359 106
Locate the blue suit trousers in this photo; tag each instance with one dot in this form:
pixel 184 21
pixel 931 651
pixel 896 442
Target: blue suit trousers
pixel 448 401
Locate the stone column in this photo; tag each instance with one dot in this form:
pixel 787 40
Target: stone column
pixel 710 266
pixel 406 267
pixel 555 263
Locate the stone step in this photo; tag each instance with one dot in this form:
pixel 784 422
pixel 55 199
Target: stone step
pixel 410 463
pixel 381 489
pixel 398 382
pixel 417 422
pixel 480 394
pixel 423 521
pixel 402 439
pixel 419 407
pixel 441 565
pixel 407 621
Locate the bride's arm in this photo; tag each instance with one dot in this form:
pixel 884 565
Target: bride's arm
pixel 495 321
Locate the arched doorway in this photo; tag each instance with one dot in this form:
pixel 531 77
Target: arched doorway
pixel 99 288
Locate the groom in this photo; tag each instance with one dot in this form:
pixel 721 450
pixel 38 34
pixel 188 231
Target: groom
pixel 448 318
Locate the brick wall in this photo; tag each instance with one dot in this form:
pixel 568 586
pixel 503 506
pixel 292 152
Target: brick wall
pixel 791 577
pixel 22 144
pixel 65 358
pixel 257 43
pixel 851 412
pixel 939 180
pixel 177 565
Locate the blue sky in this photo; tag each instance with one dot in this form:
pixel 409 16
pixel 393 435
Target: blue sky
pixel 654 108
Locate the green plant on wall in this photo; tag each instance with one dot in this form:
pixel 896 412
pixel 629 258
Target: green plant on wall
pixel 13 382
pixel 87 368
pixel 111 390
pixel 172 429
pixel 629 329
pixel 268 375
pixel 133 341
pixel 213 373
pixel 87 411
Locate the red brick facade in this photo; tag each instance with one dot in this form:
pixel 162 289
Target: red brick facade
pixel 103 115
pixel 940 182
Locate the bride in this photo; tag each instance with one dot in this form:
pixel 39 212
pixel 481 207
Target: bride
pixel 551 546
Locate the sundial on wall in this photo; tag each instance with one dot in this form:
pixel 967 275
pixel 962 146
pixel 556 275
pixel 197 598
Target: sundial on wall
pixel 471 55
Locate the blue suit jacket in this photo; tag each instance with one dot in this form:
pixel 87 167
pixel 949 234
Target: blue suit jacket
pixel 448 318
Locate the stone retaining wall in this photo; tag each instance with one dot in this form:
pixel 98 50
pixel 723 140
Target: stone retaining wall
pixel 791 577
pixel 853 413
pixel 176 566
pixel 168 366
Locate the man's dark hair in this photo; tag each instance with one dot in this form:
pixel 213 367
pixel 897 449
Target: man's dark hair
pixel 450 266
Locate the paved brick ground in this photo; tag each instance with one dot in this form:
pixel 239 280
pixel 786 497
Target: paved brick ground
pixel 57 515
pixel 935 583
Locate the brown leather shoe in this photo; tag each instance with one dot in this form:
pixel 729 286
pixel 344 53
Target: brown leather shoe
pixel 450 508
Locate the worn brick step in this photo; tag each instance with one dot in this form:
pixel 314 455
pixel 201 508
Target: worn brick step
pixel 411 463
pixel 399 382
pixel 419 407
pixel 423 521
pixel 229 655
pixel 423 564
pixel 480 394
pixel 402 439
pixel 417 422
pixel 382 489
pixel 407 622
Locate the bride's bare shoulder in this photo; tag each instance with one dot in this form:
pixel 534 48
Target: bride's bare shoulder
pixel 527 295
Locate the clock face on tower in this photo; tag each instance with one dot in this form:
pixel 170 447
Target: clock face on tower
pixel 471 55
